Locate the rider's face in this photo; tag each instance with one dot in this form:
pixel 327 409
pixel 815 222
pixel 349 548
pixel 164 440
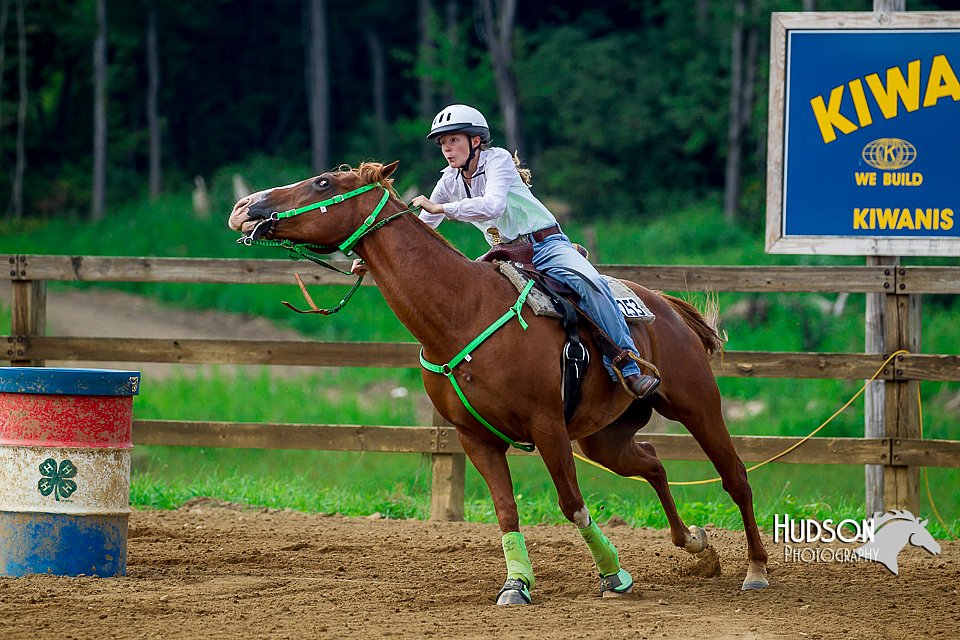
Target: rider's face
pixel 456 147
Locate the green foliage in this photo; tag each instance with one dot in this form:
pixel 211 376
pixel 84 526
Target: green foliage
pixel 623 106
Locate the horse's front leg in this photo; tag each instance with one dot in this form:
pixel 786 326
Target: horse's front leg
pixel 491 461
pixel 557 455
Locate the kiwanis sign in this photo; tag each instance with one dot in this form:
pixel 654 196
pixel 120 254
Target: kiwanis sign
pixel 864 134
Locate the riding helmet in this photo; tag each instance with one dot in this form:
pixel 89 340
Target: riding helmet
pixel 462 118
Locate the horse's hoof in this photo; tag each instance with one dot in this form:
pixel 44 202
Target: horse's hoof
pixel 616 585
pixel 754 584
pixel 514 592
pixel 756 577
pixel 697 541
pixel 616 594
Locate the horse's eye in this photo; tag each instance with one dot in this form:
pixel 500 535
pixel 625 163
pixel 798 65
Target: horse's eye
pixel 321 183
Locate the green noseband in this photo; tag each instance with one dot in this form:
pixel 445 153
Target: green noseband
pixel 347 245
pixel 296 251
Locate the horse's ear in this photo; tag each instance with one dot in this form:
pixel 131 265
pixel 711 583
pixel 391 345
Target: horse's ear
pixel 390 168
pixel 924 523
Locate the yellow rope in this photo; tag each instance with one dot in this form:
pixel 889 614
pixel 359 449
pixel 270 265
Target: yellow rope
pixel 926 478
pixel 687 483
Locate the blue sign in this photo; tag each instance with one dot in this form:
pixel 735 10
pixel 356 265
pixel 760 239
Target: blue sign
pixel 872 134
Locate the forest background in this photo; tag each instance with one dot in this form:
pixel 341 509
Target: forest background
pixel 126 128
pixel 620 107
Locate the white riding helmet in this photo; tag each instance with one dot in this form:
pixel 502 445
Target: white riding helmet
pixel 463 118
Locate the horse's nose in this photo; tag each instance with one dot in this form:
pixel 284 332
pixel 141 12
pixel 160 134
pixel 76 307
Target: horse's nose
pixel 240 213
pixel 243 210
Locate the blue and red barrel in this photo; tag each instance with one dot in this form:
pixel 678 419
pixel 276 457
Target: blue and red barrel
pixel 65 443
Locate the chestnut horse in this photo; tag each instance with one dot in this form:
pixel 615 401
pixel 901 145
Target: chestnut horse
pixel 512 379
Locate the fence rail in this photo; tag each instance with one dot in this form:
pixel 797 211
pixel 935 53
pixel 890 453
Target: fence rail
pixel 900 452
pixel 734 364
pixel 443 440
pixel 867 279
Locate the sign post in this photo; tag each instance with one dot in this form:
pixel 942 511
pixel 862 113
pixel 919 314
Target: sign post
pixel 862 161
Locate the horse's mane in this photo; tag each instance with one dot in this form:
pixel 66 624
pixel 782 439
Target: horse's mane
pixel 371 172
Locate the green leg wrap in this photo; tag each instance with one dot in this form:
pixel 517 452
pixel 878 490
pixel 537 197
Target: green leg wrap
pixel 518 562
pixel 604 553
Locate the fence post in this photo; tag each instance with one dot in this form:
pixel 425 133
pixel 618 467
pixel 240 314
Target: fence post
pixel 877 341
pixel 28 317
pixel 447 478
pixel 902 415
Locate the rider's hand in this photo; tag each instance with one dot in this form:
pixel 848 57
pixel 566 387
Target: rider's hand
pixel 359 268
pixel 427 205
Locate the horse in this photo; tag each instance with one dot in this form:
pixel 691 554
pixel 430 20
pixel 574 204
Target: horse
pixel 512 380
pixel 892 531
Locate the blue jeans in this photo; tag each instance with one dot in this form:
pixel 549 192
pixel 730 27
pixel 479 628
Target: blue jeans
pixel 556 257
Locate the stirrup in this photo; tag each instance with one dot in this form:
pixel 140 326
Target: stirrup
pixel 620 582
pixel 512 588
pixel 618 362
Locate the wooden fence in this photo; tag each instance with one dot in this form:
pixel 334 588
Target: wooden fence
pixel 900 451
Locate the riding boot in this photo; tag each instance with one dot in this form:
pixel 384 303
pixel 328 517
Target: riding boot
pixel 640 385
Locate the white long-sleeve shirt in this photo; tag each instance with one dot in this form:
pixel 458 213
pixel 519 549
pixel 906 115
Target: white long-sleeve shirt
pixel 498 199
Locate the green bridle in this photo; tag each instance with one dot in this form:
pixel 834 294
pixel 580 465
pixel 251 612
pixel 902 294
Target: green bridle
pixel 297 251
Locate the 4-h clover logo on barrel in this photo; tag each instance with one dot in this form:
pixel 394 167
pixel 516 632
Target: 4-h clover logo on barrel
pixel 56 480
pixel 65 443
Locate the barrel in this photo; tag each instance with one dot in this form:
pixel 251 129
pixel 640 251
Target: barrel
pixel 65 442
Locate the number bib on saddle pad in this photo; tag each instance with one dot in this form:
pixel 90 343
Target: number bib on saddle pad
pixel 631 306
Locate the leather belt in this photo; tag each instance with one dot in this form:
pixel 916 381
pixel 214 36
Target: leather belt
pixel 543 234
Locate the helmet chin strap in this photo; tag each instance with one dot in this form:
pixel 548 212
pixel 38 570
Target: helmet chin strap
pixel 473 153
pixel 466 166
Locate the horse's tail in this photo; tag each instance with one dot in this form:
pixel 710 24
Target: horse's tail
pixel 704 327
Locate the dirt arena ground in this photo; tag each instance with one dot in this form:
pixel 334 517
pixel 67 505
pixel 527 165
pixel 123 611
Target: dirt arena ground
pixel 213 570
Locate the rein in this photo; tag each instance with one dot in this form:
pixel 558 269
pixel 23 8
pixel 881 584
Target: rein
pixel 297 251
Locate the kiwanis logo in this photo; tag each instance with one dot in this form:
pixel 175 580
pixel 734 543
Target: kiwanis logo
pixel 889 154
pixel 881 538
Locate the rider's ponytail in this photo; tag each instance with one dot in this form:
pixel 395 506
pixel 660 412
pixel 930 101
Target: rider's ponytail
pixel 524 172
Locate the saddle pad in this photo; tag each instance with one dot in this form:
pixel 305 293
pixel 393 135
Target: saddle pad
pixel 536 299
pixel 631 306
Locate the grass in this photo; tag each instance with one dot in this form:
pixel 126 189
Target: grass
pixel 397 485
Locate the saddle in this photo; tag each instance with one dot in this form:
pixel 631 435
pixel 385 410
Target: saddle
pixel 515 261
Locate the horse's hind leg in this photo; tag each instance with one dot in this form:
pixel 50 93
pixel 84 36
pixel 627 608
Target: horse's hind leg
pixel 699 411
pixel 615 448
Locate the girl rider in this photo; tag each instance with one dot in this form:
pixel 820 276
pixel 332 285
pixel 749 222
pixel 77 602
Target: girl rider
pixel 483 186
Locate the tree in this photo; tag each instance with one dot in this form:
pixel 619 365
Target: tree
pixel 4 6
pixel 378 86
pixel 99 114
pixel 742 76
pixel 427 54
pixel 153 90
pixel 16 199
pixel 497 32
pixel 318 86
